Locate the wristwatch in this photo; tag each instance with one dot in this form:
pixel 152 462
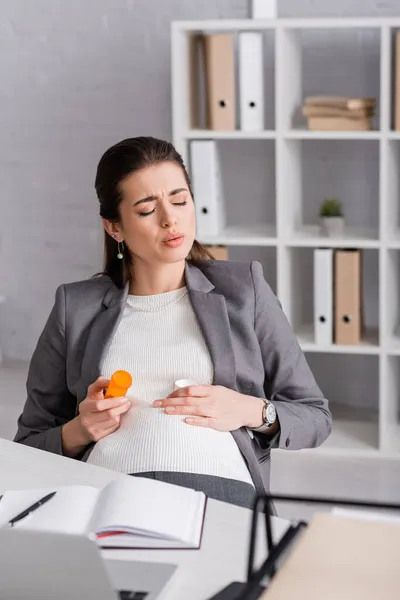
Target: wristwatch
pixel 268 416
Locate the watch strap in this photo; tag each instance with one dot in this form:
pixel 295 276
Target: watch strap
pixel 266 426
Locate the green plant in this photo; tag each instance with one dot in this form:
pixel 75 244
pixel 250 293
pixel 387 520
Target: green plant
pixel 331 207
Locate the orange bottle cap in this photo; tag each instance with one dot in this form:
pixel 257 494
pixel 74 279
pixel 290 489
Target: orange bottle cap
pixel 120 383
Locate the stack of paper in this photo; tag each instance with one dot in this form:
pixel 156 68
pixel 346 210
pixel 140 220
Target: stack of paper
pixel 338 113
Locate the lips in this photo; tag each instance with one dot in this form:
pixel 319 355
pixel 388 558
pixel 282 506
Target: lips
pixel 174 241
pixel 173 236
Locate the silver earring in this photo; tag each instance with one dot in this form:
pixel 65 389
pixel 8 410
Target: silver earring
pixel 120 250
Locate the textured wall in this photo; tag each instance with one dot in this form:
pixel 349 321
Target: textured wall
pixel 78 76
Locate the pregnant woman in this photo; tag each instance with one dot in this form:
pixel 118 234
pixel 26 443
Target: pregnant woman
pixel 164 310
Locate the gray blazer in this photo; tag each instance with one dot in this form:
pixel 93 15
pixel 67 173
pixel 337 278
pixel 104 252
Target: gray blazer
pixel 252 347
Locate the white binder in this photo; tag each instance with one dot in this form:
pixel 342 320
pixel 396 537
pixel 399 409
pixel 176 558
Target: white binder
pixel 207 188
pixel 323 296
pixel 251 81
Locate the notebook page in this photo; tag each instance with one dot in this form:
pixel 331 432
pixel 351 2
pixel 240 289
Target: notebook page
pixel 148 507
pixel 69 511
pixel 196 524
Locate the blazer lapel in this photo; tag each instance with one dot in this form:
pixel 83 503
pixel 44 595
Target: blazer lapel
pixel 101 334
pixel 212 315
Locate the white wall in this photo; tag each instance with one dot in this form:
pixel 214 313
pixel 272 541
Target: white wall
pixel 77 76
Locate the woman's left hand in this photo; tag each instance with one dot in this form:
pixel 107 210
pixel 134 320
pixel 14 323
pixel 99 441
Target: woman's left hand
pixel 213 406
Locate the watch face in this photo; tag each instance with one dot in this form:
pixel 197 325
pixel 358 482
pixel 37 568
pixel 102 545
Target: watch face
pixel 270 413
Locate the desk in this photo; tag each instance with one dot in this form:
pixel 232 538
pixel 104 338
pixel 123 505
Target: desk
pixel 221 559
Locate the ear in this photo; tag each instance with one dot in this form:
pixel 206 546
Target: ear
pixel 113 229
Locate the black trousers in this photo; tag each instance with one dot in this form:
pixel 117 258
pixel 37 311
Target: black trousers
pixel 218 488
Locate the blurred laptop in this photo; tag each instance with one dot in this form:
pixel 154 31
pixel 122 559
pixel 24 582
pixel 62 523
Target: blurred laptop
pixel 53 566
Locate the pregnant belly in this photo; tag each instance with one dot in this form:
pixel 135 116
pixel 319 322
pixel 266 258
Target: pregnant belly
pixel 149 436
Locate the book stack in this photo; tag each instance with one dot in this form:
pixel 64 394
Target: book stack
pixel 338 113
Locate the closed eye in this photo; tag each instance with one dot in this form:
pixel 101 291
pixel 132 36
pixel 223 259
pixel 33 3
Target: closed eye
pixel 146 214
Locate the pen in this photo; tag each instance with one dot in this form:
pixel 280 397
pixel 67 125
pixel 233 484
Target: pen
pixel 30 509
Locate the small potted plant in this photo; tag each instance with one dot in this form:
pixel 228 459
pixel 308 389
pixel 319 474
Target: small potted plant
pixel 332 220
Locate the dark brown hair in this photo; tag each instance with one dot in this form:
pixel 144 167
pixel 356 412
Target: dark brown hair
pixel 119 161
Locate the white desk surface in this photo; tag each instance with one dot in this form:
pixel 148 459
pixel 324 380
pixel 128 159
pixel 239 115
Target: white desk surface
pixel 221 559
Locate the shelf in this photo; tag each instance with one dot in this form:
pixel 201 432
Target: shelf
pixel 268 134
pixel 392 435
pixel 206 134
pixel 393 346
pixel 310 236
pixel 251 235
pixel 394 241
pixel 305 134
pixel 283 186
pixel 369 344
pixel 352 429
pixel 286 23
pixel 226 25
pixel 352 436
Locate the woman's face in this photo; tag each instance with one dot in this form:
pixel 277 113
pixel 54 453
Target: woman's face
pixel 156 204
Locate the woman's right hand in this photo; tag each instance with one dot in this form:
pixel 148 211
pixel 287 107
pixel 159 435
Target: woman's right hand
pixel 98 417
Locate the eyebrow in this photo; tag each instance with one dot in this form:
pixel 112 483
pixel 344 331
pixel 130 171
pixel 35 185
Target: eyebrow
pixel 152 198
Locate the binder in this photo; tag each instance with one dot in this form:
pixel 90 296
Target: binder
pixel 323 296
pixel 219 60
pixel 265 9
pixel 348 319
pixel 207 188
pixel 197 83
pixel 194 80
pixel 251 81
pixel 397 84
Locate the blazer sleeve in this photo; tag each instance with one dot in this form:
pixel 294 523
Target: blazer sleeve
pixel 49 403
pixel 303 412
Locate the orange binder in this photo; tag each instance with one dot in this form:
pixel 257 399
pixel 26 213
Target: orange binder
pixel 219 60
pixel 219 252
pixel 397 84
pixel 348 309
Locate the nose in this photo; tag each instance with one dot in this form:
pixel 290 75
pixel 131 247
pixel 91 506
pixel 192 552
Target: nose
pixel 168 219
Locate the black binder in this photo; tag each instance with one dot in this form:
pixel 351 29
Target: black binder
pixel 256 579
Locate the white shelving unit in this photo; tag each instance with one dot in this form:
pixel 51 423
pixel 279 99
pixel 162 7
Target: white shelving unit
pixel 372 430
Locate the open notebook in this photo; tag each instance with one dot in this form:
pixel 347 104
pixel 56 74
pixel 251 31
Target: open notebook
pixel 127 513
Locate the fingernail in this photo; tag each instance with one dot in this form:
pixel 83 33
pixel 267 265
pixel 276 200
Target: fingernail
pixel 189 420
pixel 170 409
pixel 157 403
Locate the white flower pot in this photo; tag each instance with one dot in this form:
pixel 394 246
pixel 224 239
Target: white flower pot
pixel 332 226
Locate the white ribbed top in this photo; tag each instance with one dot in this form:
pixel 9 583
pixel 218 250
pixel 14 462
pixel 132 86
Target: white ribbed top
pixel 159 341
